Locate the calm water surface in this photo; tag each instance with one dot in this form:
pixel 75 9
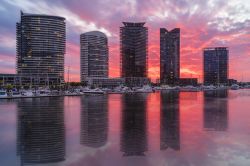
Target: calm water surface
pixel 157 129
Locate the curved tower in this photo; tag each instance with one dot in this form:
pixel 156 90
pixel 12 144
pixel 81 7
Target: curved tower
pixel 41 46
pixel 94 55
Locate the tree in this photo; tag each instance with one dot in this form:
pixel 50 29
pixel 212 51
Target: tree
pixel 9 87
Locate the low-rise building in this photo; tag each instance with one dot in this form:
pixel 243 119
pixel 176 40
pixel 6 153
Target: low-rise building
pixel 188 81
pixel 28 81
pixel 105 82
pixel 136 81
pixel 114 82
pixel 232 81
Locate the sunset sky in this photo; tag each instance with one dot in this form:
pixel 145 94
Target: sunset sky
pixel 203 23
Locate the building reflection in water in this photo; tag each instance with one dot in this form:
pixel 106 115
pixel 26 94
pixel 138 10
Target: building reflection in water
pixel 170 120
pixel 41 130
pixel 215 110
pixel 133 125
pixel 94 120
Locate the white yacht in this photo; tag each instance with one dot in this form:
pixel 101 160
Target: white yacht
pixel 107 90
pixel 15 94
pixel 44 92
pixel 157 88
pixel 55 93
pixel 119 89
pixel 247 86
pixel 93 91
pixel 235 87
pixel 27 93
pixel 3 94
pixel 166 87
pixel 209 87
pixel 189 88
pixel 145 89
pixel 78 91
pixel 70 93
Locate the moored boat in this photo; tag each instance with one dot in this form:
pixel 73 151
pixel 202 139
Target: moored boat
pixel 189 89
pixel 145 89
pixel 235 87
pixel 15 94
pixel 93 91
pixel 3 94
pixel 27 93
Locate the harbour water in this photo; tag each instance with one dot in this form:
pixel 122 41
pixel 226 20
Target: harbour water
pixel 165 128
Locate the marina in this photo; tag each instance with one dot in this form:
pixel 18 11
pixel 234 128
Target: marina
pixel 12 94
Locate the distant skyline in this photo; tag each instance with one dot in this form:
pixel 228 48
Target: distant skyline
pixel 203 23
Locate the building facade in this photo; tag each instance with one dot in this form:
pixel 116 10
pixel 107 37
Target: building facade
pixel 215 65
pixel 188 81
pixel 28 81
pixel 133 49
pixel 169 56
pixel 94 55
pixel 105 82
pixel 137 81
pixel 40 46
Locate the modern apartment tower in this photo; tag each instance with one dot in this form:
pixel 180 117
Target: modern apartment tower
pixel 215 65
pixel 169 56
pixel 134 49
pixel 41 47
pixel 94 55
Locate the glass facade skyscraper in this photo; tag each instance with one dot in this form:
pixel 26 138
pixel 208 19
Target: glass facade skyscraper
pixel 169 56
pixel 41 46
pixel 94 55
pixel 134 49
pixel 215 65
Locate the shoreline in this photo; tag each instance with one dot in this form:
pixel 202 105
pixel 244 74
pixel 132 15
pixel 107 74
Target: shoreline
pixel 63 95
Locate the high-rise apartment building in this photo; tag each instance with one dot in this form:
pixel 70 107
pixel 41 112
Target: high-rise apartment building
pixel 41 47
pixel 169 56
pixel 215 65
pixel 134 49
pixel 94 55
